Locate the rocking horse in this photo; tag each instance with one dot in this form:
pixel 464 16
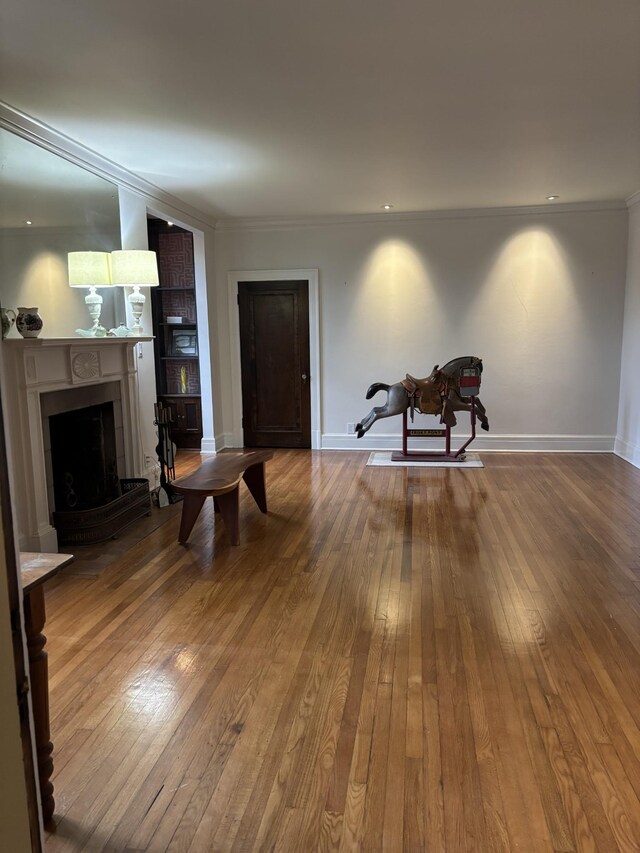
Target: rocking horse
pixel 441 393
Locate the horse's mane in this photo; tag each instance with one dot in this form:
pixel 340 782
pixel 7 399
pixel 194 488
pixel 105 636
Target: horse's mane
pixel 456 364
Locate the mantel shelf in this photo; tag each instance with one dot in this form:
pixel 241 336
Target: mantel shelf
pixel 78 341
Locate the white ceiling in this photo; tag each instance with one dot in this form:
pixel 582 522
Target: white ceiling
pixel 298 107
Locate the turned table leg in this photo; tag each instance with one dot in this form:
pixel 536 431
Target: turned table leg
pixel 39 671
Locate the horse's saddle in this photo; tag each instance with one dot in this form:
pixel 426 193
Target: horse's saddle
pixel 425 394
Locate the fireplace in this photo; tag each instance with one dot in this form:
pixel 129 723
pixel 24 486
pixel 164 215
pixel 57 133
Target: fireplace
pixel 83 458
pixel 45 378
pixel 83 445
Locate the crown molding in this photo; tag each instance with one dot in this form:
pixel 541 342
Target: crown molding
pixel 41 134
pixel 268 223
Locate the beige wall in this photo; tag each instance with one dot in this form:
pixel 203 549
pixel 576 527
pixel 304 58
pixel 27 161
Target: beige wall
pixel 539 295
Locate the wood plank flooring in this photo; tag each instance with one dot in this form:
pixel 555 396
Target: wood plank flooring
pixel 392 660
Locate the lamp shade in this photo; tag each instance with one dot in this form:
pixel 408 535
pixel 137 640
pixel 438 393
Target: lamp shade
pixel 89 269
pixel 133 268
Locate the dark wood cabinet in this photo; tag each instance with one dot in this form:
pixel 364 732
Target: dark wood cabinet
pixel 175 330
pixel 186 430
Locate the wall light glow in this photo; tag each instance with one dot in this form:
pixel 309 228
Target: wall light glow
pixel 395 298
pixel 531 292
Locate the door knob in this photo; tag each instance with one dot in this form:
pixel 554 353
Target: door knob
pixel 304 377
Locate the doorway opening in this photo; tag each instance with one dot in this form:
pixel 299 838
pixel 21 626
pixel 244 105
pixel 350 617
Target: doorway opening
pixel 265 279
pixel 274 357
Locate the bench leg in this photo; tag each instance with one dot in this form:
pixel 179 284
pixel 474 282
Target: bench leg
pixel 228 506
pixel 254 478
pixel 191 507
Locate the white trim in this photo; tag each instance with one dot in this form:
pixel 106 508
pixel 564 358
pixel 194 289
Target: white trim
pixel 271 223
pixel 627 451
pixel 235 276
pixel 213 444
pixel 483 442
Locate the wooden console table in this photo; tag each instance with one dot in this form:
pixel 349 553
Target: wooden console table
pixel 35 570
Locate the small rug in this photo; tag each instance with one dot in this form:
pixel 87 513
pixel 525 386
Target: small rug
pixel 382 459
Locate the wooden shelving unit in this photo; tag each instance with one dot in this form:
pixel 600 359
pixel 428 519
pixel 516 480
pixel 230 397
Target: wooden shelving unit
pixel 176 344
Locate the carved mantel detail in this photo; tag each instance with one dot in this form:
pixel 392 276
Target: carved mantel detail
pixel 85 365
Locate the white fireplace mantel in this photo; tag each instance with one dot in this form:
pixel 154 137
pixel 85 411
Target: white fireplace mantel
pixel 36 366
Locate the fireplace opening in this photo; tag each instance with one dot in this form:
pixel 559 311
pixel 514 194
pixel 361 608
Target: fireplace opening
pixel 83 435
pixel 84 458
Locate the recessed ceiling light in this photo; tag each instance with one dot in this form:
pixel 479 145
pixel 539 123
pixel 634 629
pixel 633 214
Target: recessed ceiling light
pixel 28 222
pixel 169 223
pixel 387 206
pixel 552 197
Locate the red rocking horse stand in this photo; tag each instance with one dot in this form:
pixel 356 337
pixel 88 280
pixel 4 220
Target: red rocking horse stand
pixel 406 455
pixel 468 388
pixel 454 387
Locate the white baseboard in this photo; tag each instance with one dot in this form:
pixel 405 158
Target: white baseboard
pixel 227 439
pixel 218 442
pixel 625 450
pixel 484 442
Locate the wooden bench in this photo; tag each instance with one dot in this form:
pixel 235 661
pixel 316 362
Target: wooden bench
pixel 219 478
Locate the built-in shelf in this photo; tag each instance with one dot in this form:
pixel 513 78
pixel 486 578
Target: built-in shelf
pixel 176 369
pixel 189 325
pixel 178 357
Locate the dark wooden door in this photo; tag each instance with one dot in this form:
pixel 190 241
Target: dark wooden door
pixel 274 350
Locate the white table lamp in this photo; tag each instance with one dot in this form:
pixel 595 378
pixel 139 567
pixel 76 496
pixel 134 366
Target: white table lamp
pixel 90 270
pixel 135 268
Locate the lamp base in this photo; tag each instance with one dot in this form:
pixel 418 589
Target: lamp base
pixel 136 302
pixel 93 301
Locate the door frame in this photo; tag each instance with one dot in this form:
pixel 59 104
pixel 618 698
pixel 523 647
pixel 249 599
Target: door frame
pixel 311 276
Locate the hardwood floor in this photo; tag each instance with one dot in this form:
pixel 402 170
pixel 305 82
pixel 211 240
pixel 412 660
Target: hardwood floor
pixel 393 659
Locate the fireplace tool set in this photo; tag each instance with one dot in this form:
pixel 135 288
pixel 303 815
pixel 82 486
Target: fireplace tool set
pixel 166 451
